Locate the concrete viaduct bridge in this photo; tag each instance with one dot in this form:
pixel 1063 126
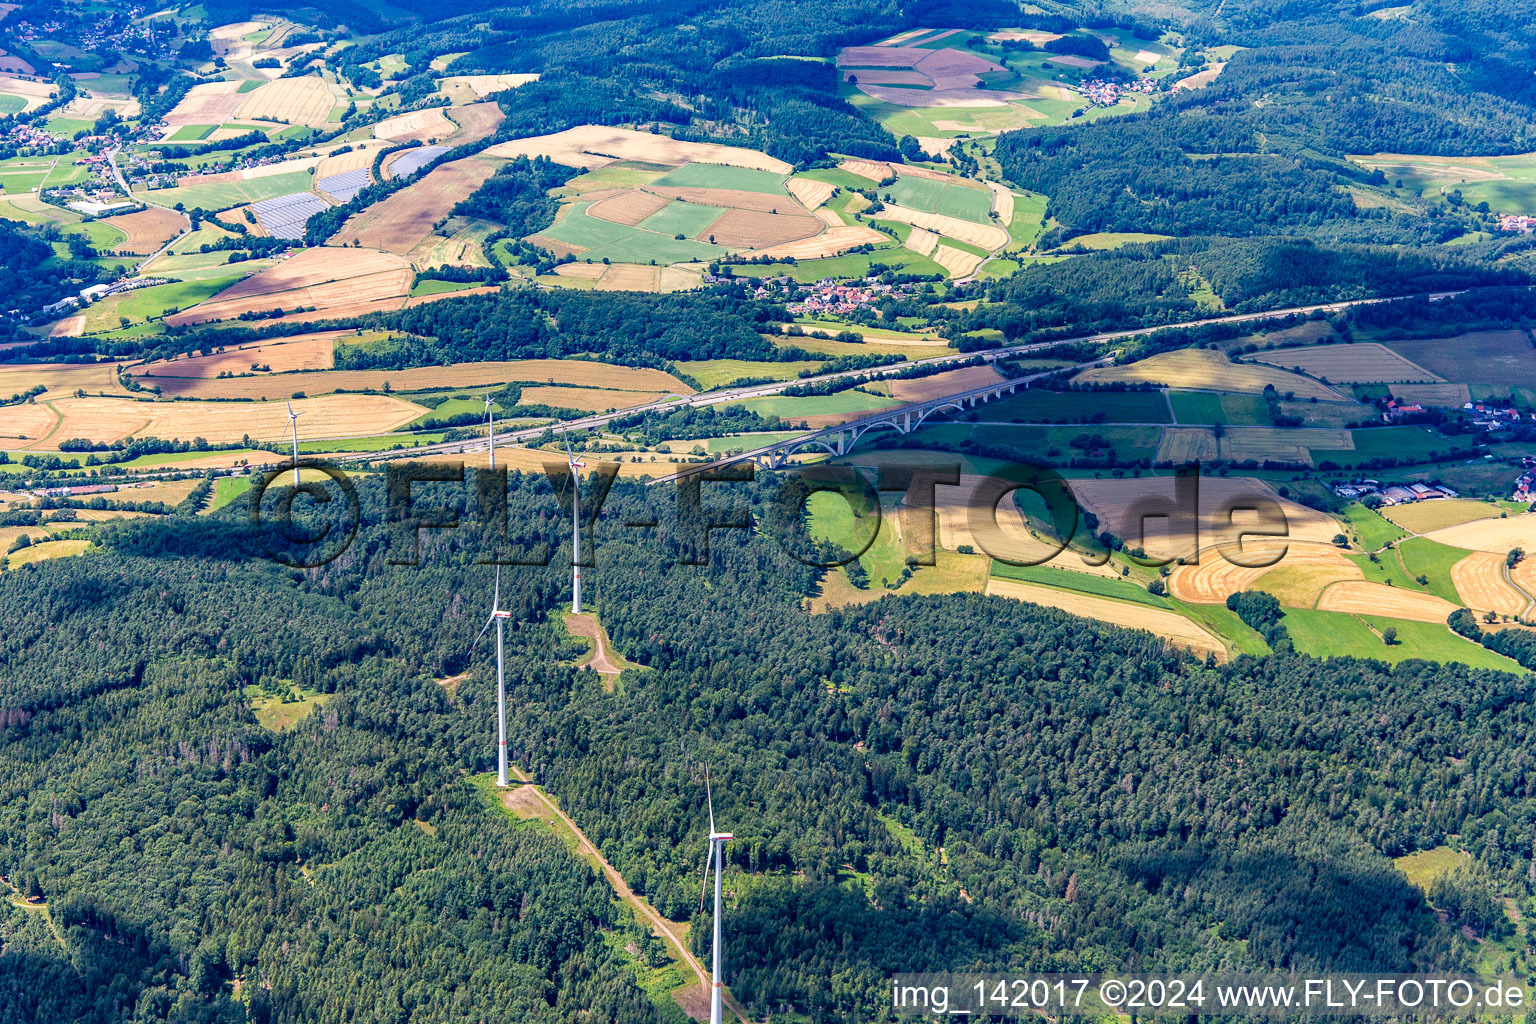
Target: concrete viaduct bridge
pixel 839 440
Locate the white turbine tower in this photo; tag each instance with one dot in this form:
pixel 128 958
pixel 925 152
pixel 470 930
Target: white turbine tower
pixel 498 616
pixel 490 428
pixel 293 423
pixel 716 852
pixel 576 464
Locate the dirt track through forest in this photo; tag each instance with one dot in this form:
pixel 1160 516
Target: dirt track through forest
pixel 659 924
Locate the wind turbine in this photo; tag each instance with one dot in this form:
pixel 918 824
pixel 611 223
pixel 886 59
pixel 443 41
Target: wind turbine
pixel 575 464
pixel 717 841
pixel 293 423
pixel 490 428
pixel 498 616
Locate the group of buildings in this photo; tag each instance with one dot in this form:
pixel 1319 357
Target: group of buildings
pixel 1517 223
pixel 832 296
pixel 1392 494
pixel 1106 92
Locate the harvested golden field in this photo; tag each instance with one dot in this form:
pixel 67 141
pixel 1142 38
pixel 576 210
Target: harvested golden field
pixel 1361 363
pixel 170 492
pixel 1438 513
pixel 284 355
pixel 1201 79
pixel 474 122
pixel 307 100
pixel 1111 501
pixel 594 145
pixel 588 399
pixel 958 262
pixel 458 87
pixel 358 158
pixel 25 425
pixel 921 389
pixel 1294 445
pixel 533 460
pixel 1002 202
pixel 1200 368
pixel 1188 444
pixel 46 550
pixel 921 241
pixel 1479 581
pixel 573 372
pixel 403 221
pixel 111 419
pixel 1361 598
pixel 423 125
pixel 1450 395
pixel 985 236
pixel 629 207
pixel 206 103
pixel 59 378
pixel 1289 571
pixel 1497 535
pixel 951 573
pixel 810 193
pixel 727 197
pixel 421 300
pixel 586 271
pixel 829 243
pixel 335 282
pixel 630 277
pixel 1013 538
pixel 1524 574
pixel 1169 625
pixel 754 230
pixel 875 170
pixel 147 230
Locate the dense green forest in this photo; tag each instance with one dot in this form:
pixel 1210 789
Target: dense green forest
pixel 1077 778
pixel 632 328
pixel 1260 149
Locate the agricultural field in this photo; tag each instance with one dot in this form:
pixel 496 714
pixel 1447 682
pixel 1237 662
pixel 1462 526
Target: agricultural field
pixel 1326 634
pixel 819 411
pixel 922 389
pixel 1039 405
pixel 146 231
pixel 953 198
pixel 714 373
pixel 1209 370
pixel 1362 363
pixel 1482 583
pixel 1368 529
pixel 1212 407
pixel 1496 535
pixel 1506 183
pixel 335 282
pixel 223 191
pixel 403 221
pixel 1112 500
pixel 1425 516
pixel 111 419
pixel 1492 357
pixel 1173 627
pixel 197 377
pixel 592 146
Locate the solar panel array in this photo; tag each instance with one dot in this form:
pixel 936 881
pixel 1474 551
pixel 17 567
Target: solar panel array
pixel 284 216
pixel 415 160
pixel 344 186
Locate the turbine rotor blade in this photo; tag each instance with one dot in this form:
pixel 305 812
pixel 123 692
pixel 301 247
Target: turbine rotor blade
pixel 711 798
pixel 496 594
pixel 704 875
pixel 484 628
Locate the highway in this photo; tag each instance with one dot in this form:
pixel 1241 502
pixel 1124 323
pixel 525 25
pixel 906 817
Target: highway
pixel 730 395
